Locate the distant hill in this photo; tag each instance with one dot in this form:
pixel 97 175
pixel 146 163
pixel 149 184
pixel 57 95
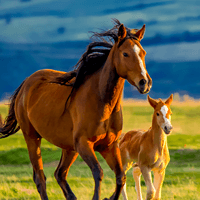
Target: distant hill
pixel 50 34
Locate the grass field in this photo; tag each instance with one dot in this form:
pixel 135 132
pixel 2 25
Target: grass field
pixel 182 179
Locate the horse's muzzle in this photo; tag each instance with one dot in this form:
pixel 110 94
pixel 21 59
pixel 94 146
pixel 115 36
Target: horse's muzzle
pixel 144 86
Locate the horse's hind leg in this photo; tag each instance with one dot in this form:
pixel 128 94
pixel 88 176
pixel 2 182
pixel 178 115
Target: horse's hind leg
pixel 67 159
pixel 33 145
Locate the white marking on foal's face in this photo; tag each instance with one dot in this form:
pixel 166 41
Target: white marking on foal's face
pixel 136 49
pixel 167 121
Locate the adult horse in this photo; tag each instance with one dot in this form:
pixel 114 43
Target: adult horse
pixel 80 111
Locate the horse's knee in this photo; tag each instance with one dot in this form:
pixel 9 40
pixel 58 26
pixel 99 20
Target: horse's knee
pixel 121 179
pixel 39 177
pixel 97 172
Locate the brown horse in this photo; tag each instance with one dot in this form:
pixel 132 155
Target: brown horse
pixel 80 111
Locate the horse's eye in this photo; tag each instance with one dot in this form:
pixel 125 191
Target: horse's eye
pixel 157 114
pixel 125 54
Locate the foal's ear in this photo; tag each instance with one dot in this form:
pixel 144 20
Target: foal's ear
pixel 140 33
pixel 169 100
pixel 152 102
pixel 121 33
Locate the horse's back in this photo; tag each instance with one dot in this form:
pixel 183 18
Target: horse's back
pixel 42 85
pixel 39 98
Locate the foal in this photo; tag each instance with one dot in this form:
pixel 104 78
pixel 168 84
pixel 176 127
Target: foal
pixel 149 149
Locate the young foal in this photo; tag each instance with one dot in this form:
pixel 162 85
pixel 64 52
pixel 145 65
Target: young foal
pixel 149 150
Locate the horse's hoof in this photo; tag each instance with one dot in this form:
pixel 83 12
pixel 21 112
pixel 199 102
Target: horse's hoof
pixel 106 199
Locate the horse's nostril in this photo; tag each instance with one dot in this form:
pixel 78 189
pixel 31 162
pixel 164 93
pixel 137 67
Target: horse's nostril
pixel 142 82
pixel 165 128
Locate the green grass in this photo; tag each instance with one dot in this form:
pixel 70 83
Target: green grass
pixel 182 180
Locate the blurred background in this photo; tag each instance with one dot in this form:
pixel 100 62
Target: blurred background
pixel 38 34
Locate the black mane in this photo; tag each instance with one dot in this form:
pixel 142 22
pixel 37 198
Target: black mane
pixel 95 56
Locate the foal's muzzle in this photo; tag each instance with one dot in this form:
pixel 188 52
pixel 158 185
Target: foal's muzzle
pixel 168 129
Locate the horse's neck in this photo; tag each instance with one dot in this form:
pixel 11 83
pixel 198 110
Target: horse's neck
pixel 110 84
pixel 158 136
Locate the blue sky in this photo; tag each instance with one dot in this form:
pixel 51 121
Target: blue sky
pixel 26 21
pixel 36 34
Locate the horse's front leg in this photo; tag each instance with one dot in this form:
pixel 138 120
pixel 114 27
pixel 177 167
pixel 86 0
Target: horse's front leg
pixel 85 148
pixel 113 158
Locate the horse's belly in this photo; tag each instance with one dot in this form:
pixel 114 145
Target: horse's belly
pixel 62 139
pixel 48 115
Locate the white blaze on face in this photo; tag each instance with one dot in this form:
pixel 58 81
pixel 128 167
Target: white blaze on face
pixel 136 49
pixel 167 121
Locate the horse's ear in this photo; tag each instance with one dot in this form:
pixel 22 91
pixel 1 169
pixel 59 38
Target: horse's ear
pixel 169 100
pixel 121 33
pixel 152 102
pixel 140 33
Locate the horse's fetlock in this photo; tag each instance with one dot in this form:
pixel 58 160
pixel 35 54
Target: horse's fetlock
pixel 150 194
pixel 58 176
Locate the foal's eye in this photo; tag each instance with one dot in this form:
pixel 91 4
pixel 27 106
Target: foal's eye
pixel 157 114
pixel 125 54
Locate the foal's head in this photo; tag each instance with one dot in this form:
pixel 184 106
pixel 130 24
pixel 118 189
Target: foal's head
pixel 129 59
pixel 162 113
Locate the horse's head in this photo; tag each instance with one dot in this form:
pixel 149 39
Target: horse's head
pixel 162 113
pixel 129 59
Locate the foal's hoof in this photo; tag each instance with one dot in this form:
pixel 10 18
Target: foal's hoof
pixel 106 199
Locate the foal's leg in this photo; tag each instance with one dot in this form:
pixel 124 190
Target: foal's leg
pixel 86 151
pixel 158 181
pixel 33 145
pixel 137 175
pixel 67 159
pixel 113 158
pixel 124 193
pixel 146 172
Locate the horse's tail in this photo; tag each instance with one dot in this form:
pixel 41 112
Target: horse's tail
pixel 1 121
pixel 10 125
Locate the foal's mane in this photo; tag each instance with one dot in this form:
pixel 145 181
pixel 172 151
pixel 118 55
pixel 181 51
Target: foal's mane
pixel 95 56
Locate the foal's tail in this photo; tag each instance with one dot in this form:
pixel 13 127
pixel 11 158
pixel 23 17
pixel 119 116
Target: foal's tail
pixel 10 125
